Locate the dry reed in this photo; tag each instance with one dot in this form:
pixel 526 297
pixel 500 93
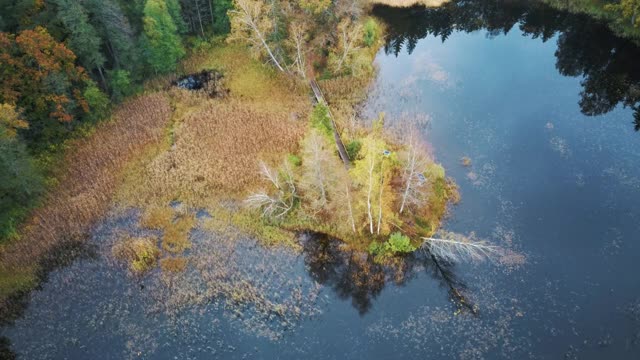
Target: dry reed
pixel 89 178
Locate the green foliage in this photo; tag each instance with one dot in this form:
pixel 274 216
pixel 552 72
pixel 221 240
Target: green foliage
pixel 173 6
pixel 353 149
pixel 320 120
pixel 294 160
pixel 371 32
pixel 83 37
pixel 397 244
pixel 116 31
pixel 98 102
pixel 162 43
pixel 120 84
pixel 376 248
pixel 20 185
pixel 221 24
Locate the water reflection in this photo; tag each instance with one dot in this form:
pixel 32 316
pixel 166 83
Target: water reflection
pixel 586 47
pixel 354 275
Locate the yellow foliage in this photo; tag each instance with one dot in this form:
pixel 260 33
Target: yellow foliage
pixel 10 121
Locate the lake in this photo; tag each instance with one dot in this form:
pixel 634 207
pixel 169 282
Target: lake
pixel 540 101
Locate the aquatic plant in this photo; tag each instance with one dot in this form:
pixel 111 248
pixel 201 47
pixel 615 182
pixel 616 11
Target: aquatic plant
pixel 140 254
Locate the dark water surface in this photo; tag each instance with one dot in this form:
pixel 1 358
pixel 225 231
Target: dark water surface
pixel 535 99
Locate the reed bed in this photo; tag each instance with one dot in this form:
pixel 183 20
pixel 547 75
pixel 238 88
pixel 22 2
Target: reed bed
pixel 89 178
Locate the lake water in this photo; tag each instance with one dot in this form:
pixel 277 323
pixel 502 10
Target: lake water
pixel 534 98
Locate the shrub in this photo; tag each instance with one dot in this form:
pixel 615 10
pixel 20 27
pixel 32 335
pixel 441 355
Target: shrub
pixel 395 245
pixel 294 160
pixel 399 244
pixel 371 31
pixel 353 149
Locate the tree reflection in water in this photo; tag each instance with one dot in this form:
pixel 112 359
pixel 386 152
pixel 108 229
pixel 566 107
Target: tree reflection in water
pixel 586 47
pixel 354 275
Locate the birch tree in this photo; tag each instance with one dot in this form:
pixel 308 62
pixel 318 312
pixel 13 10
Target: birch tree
pixel 372 173
pixel 454 247
pixel 298 43
pixel 317 170
pixel 281 200
pixel 414 162
pixel 348 38
pixel 250 23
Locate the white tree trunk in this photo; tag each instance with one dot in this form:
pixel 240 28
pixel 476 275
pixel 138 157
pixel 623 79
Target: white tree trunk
pixel 371 166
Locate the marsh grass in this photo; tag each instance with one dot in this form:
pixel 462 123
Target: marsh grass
pixel 90 174
pixel 176 234
pixel 140 254
pixel 215 144
pixel 174 264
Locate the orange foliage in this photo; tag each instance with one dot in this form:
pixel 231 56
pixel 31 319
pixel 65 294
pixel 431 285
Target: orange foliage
pixel 29 58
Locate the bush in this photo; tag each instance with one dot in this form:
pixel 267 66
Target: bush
pixel 399 243
pixel 140 254
pixel 353 149
pixel 395 245
pixel 371 31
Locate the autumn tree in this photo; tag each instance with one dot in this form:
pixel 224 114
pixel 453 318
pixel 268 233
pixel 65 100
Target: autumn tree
pixel 347 44
pixel 315 7
pixel 414 160
pixel 373 173
pixel 39 76
pixel 297 42
pixel 629 9
pixel 10 121
pixel 320 165
pixel 163 45
pixel 250 23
